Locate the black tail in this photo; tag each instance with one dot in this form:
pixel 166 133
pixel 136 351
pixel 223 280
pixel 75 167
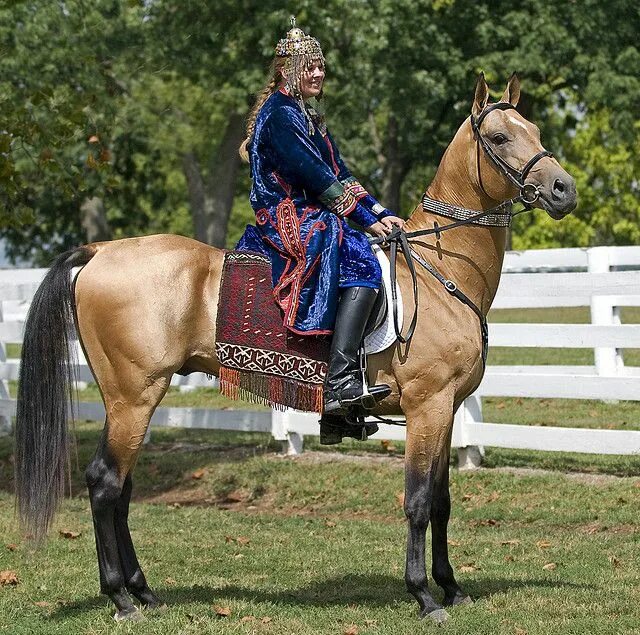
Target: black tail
pixel 45 395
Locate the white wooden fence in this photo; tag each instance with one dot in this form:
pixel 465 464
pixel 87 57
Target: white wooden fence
pixel 550 278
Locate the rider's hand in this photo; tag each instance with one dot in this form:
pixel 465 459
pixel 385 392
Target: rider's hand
pixel 378 229
pixel 390 221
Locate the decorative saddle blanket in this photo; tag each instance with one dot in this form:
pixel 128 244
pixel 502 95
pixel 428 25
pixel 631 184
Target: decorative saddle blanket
pixel 260 359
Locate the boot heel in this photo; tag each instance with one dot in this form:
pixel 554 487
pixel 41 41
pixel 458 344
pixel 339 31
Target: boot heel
pixel 368 401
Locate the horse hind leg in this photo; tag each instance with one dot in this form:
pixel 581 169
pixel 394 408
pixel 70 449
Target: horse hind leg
pixel 135 581
pixel 109 482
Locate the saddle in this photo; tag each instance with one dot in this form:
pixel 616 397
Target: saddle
pixel 261 361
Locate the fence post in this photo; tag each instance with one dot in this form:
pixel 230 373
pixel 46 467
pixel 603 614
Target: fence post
pixel 469 456
pixel 292 442
pixel 608 361
pixel 5 420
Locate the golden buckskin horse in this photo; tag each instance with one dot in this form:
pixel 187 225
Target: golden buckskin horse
pixel 145 308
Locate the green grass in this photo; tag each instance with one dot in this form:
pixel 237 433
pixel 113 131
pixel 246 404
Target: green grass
pixel 326 547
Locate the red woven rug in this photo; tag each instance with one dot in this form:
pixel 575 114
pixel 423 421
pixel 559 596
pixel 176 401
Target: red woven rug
pixel 260 359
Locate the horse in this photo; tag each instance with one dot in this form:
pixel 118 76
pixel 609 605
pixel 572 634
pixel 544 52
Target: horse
pixel 145 308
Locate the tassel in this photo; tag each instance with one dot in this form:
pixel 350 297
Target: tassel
pixel 270 390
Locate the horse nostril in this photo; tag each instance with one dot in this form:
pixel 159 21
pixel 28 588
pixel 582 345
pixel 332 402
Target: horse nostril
pixel 558 187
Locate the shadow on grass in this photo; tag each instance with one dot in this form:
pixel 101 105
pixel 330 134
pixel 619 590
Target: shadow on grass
pixel 365 590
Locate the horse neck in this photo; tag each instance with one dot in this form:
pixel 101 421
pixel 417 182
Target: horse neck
pixel 470 255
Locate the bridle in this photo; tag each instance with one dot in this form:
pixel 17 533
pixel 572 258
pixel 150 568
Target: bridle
pixel 499 216
pixel 529 193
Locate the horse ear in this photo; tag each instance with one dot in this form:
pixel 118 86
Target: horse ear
pixel 481 97
pixel 512 92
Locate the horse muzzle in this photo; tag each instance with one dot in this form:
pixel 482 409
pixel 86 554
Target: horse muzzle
pixel 558 196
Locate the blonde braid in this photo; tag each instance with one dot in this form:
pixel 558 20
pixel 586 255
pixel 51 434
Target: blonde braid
pixel 267 91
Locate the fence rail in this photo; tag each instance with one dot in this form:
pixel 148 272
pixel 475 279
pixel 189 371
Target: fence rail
pixel 596 278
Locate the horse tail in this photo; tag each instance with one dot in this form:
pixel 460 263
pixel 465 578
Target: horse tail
pixel 45 395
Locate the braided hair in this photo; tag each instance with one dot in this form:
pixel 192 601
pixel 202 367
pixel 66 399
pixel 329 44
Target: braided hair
pixel 275 75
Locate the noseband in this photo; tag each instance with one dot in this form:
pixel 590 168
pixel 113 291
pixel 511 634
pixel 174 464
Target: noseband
pixel 529 193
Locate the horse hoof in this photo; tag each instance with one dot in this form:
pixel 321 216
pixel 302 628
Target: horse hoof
pixel 129 615
pixel 458 600
pixel 464 600
pixel 438 617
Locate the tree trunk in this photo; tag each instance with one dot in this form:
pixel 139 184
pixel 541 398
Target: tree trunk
pixel 394 168
pixel 94 221
pixel 211 200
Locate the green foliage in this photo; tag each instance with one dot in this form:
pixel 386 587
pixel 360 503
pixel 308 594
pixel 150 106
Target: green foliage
pixel 104 99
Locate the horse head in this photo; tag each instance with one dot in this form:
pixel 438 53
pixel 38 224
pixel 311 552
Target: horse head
pixel 506 158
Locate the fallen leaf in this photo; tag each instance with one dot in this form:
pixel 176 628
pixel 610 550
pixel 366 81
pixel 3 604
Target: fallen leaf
pixel 198 474
pixel 519 631
pixel 510 542
pixel 485 522
pixel 593 528
pixel 509 559
pixel 235 497
pixel 500 405
pixel 242 540
pixel 330 523
pixel 12 547
pixel 543 544
pixel 222 611
pixel 67 533
pixel 467 497
pixel 43 605
pixel 400 499
pixel 170 581
pixel 550 566
pixel 8 578
pixel 248 618
pixel 266 620
pixel 351 630
pixel 453 543
pixel 467 568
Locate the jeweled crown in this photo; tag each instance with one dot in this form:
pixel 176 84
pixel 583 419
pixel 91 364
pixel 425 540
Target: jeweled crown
pixel 298 43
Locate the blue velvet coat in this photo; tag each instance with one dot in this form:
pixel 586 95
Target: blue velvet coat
pixel 302 193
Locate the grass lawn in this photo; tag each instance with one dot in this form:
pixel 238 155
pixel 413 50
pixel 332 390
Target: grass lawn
pixel 316 545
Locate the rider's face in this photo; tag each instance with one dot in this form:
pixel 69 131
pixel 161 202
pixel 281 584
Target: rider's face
pixel 311 80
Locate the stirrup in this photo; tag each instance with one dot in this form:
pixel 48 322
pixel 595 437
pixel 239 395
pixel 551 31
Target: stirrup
pixel 367 399
pixel 334 428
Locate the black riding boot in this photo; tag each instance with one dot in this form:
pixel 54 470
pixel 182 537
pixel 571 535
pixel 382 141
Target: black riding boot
pixel 343 387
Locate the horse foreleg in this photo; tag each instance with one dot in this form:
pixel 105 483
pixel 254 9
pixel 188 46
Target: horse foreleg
pixel 441 570
pixel 134 578
pixel 428 430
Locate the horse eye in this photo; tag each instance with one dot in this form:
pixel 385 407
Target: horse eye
pixel 499 139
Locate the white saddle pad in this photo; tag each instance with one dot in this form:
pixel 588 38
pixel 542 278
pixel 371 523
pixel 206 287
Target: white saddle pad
pixel 385 335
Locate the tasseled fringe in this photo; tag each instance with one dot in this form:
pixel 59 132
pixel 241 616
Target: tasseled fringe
pixel 269 390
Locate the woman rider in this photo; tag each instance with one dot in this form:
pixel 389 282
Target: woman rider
pixel 324 273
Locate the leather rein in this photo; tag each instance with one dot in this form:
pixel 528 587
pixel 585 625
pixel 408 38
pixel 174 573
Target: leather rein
pixel 500 216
